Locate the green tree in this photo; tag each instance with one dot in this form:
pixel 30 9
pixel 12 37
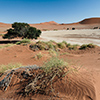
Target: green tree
pixel 22 30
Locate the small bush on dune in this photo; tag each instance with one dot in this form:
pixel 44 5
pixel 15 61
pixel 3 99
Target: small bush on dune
pixel 73 47
pixel 51 71
pixel 53 63
pixel 52 52
pixel 61 45
pixel 42 45
pixel 26 41
pixel 50 45
pixel 52 41
pixel 64 42
pixel 68 44
pixel 84 46
pixel 91 45
pixel 39 55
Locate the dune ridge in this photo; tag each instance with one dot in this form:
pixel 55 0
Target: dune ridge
pixel 90 21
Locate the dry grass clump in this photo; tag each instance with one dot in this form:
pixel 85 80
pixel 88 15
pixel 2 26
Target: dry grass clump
pixel 50 72
pixel 40 45
pixel 45 29
pixel 7 45
pixel 61 45
pixel 38 56
pixel 53 52
pixel 53 63
pixel 73 47
pixel 23 41
pixel 1 34
pixel 9 66
pixel 91 45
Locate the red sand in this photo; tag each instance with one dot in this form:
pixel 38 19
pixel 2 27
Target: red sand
pixel 87 59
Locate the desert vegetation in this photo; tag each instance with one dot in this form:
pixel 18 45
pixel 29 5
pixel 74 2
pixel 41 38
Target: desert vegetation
pixel 10 66
pixel 44 79
pixel 85 46
pixel 22 30
pixel 49 70
pixel 23 41
pixel 6 45
pixel 40 45
pixel 40 81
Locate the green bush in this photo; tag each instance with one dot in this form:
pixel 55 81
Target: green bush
pixel 68 44
pixel 64 42
pixel 61 45
pixel 22 30
pixel 91 45
pixel 73 47
pixel 42 45
pixel 50 45
pixel 84 46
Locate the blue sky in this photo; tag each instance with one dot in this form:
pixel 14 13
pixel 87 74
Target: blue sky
pixel 36 11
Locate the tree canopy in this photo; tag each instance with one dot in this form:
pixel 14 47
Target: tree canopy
pixel 22 30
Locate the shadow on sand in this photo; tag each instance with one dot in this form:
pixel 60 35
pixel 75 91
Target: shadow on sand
pixel 8 41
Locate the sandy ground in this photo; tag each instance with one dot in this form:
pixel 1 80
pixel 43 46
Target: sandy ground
pixel 89 60
pixel 80 37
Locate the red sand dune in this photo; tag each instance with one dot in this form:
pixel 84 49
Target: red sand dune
pixel 90 21
pixel 4 24
pixel 49 23
pixel 86 21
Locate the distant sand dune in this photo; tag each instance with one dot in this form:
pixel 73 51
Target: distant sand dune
pixel 90 21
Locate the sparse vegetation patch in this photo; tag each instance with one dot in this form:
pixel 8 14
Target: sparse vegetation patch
pixel 24 41
pixel 6 45
pixel 9 66
pixel 52 70
pixel 85 46
pixel 40 45
pixel 38 56
pixel 61 45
